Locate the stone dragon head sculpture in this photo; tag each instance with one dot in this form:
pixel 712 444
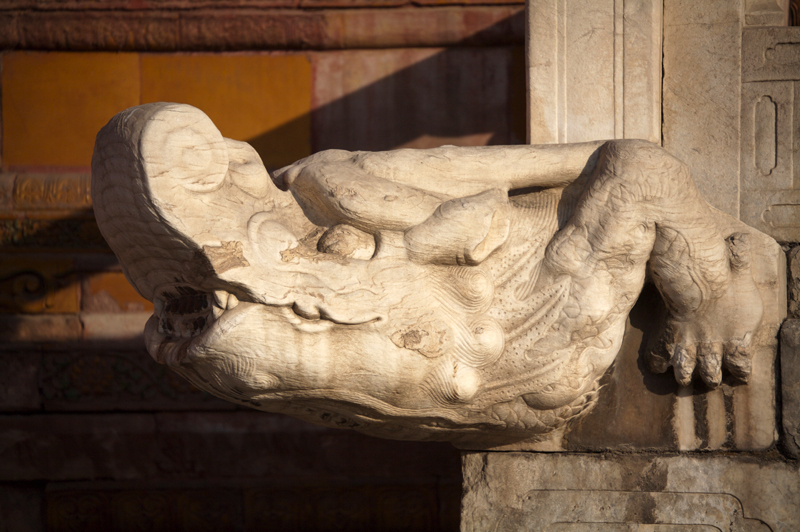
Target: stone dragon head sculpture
pixel 464 294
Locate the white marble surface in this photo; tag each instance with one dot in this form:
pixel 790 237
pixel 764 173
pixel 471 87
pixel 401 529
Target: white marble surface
pixel 423 294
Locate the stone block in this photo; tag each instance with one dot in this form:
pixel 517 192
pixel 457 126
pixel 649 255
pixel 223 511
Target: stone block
pixel 358 107
pixel 263 99
pixel 19 387
pixel 766 12
pixel 790 385
pixel 54 103
pixel 21 509
pixel 623 492
pixel 110 292
pixel 771 54
pixel 619 42
pixel 770 199
pixel 701 94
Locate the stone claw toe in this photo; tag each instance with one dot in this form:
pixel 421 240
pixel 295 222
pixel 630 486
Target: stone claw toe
pixel 657 360
pixel 709 363
pixel 683 361
pixel 738 359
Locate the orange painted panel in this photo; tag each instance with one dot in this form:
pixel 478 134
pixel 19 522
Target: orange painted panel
pixel 54 103
pixel 38 285
pixel 264 99
pixel 111 292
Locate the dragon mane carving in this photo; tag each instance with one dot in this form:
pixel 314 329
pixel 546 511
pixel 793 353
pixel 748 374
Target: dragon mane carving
pixel 445 294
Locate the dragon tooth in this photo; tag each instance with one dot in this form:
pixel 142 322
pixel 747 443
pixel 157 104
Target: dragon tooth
pixel 221 298
pixel 232 301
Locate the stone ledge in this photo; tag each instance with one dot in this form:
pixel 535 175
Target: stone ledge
pixel 249 29
pixel 531 491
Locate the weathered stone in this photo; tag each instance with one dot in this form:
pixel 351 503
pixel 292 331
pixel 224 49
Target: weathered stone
pixel 770 199
pixel 701 94
pixel 771 54
pixel 628 492
pixel 790 385
pixel 594 70
pixel 766 12
pixel 19 389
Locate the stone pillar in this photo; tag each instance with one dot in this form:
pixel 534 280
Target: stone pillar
pixel 701 91
pixel 594 70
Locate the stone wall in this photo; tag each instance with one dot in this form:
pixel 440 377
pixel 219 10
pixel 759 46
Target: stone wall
pixel 93 434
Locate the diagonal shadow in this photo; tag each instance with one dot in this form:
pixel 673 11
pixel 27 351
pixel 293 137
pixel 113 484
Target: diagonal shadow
pixel 464 95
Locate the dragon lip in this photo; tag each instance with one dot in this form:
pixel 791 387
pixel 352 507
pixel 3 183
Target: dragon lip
pixel 183 314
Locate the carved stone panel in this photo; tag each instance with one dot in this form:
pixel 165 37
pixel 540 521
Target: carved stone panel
pixel 643 493
pixel 770 143
pixel 771 54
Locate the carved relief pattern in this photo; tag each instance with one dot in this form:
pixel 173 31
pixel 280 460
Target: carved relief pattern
pixel 38 287
pixel 770 158
pixel 51 192
pixel 770 200
pixel 766 133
